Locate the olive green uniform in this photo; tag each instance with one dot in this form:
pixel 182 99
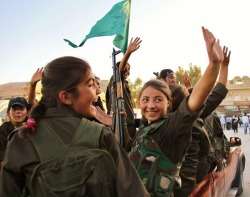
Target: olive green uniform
pixel 21 157
pixel 173 136
pixel 195 165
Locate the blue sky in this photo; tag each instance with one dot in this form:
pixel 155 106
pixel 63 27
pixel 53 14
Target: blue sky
pixel 32 34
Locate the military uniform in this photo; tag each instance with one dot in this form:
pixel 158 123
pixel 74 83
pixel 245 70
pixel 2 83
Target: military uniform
pixel 5 130
pixel 195 165
pixel 173 137
pixel 21 157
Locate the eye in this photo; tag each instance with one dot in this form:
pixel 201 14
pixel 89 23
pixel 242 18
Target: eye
pixel 144 100
pixel 158 100
pixel 91 83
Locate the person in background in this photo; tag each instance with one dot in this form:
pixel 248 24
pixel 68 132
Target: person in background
pixel 240 120
pixel 124 68
pixel 228 122
pixel 168 76
pixel 98 101
pixel 223 122
pixel 36 77
pixel 235 124
pixel 17 111
pixel 245 122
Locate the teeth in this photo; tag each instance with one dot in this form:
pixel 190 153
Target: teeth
pixel 151 112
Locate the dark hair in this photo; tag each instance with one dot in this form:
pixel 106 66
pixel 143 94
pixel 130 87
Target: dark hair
pixel 158 85
pixel 156 74
pixel 178 93
pixel 63 73
pixel 118 64
pixel 164 73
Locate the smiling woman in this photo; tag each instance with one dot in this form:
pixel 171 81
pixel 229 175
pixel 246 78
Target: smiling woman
pixel 59 135
pixel 162 141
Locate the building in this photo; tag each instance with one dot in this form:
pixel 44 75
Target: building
pixel 238 97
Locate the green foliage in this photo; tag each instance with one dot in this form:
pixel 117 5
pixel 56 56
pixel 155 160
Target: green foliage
pixel 194 74
pixel 135 90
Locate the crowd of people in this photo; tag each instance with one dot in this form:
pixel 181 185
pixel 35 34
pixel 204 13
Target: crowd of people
pixel 57 147
pixel 234 122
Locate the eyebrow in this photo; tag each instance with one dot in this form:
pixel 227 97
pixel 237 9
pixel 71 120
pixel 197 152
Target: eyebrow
pixel 90 79
pixel 154 97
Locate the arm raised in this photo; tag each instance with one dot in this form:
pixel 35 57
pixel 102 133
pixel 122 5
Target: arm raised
pixel 203 87
pixel 224 66
pixel 132 47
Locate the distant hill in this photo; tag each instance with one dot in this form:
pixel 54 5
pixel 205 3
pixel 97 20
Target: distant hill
pixel 14 89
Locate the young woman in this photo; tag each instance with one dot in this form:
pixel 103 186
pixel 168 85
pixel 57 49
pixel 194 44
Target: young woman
pixel 17 112
pixel 160 145
pixel 69 89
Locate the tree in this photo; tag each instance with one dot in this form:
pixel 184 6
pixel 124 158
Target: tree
pixel 194 74
pixel 135 90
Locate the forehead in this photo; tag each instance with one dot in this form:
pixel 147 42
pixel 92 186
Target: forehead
pixel 152 92
pixel 89 75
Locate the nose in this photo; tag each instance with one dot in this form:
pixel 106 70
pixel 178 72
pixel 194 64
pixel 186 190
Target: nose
pixel 98 88
pixel 151 104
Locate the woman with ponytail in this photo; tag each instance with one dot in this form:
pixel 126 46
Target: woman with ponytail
pixel 68 91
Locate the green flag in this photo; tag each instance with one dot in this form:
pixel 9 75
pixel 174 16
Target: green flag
pixel 115 22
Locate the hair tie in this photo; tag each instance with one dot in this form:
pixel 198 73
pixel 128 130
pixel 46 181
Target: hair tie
pixel 31 125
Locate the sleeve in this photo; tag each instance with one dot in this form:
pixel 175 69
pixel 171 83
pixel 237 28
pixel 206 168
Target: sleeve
pixel 189 166
pixel 219 92
pixel 20 154
pixel 3 143
pixel 128 182
pixel 176 135
pixel 5 129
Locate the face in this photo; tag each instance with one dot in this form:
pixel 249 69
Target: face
pixel 127 71
pixel 170 79
pixel 98 90
pixel 87 93
pixel 17 114
pixel 153 104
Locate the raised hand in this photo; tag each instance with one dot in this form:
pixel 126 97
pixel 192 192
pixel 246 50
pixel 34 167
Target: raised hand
pixel 186 80
pixel 226 55
pixel 134 45
pixel 224 66
pixel 37 76
pixel 214 50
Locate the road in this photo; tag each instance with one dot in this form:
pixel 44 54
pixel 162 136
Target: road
pixel 245 138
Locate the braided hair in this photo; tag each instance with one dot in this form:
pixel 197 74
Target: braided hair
pixel 63 73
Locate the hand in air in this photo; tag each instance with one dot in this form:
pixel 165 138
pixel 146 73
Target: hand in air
pixel 214 50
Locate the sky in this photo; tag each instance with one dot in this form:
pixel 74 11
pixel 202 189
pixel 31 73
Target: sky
pixel 32 33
